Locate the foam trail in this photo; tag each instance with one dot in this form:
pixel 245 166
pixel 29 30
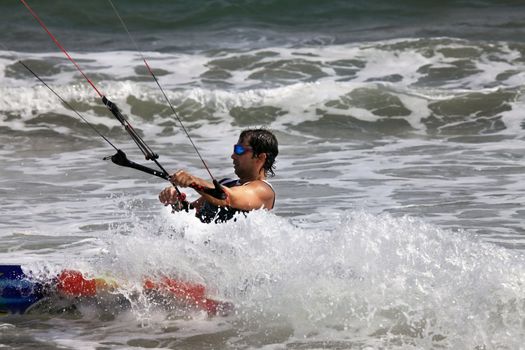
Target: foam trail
pixel 385 279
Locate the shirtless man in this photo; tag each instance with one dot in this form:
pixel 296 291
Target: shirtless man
pixel 253 161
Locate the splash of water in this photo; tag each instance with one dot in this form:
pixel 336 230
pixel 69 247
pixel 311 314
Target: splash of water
pixel 374 279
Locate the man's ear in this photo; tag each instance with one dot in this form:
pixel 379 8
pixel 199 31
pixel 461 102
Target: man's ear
pixel 262 156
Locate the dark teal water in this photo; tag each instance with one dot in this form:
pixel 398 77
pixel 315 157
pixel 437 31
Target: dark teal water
pixel 191 25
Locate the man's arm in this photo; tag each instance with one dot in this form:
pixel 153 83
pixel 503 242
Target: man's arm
pixel 255 195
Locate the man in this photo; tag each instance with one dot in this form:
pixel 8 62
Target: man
pixel 253 161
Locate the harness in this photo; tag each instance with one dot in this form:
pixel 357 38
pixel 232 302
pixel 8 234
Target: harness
pixel 212 213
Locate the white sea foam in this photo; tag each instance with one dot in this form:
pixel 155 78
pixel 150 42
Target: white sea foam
pixel 400 56
pixel 299 99
pixel 299 102
pixel 371 280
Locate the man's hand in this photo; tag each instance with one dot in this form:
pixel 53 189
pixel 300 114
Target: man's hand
pixel 178 201
pixel 183 179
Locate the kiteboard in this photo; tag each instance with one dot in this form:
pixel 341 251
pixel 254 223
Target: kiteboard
pixel 21 293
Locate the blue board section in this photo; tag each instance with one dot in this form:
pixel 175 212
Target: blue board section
pixel 17 291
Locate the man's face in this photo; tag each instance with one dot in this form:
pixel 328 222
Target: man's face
pixel 244 163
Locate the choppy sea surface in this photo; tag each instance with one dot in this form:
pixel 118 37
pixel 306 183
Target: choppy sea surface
pixel 399 221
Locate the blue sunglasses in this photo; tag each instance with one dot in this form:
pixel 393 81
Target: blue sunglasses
pixel 240 149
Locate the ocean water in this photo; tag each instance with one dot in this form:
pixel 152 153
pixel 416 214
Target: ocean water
pixel 399 221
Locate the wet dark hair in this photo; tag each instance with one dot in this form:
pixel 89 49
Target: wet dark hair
pixel 262 141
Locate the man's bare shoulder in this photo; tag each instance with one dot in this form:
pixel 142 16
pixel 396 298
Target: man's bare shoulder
pixel 259 184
